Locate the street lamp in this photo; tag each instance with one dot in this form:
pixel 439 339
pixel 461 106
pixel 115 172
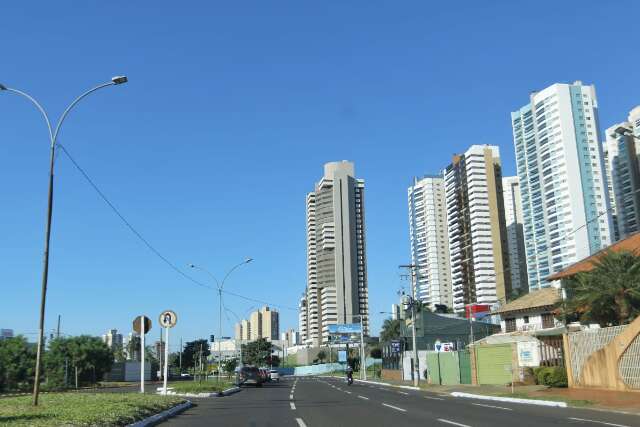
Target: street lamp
pixel 220 286
pixel 411 302
pixel 53 137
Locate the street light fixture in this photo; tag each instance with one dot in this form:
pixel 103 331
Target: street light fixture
pixel 53 137
pixel 220 287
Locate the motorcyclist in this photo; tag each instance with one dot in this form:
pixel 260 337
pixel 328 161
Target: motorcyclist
pixel 349 372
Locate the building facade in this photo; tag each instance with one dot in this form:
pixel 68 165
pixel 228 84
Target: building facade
pixel 245 327
pixel 622 157
pixel 113 339
pixel 336 253
pixel 562 179
pixel 429 240
pixel 263 323
pixel 515 234
pixel 478 252
pixel 270 324
pixel 290 338
pixel 6 334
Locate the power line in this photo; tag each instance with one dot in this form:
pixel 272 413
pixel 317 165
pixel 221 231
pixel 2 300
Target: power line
pixel 146 242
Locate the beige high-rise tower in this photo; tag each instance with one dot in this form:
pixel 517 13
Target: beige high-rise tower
pixel 336 258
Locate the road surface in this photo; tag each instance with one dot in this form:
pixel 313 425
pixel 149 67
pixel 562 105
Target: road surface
pixel 330 402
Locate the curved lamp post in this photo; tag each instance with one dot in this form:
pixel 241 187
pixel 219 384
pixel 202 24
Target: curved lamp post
pixel 53 137
pixel 220 287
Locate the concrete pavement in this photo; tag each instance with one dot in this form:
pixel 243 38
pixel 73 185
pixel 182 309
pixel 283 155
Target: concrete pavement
pixel 325 401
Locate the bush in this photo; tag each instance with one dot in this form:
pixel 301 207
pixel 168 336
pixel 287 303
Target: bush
pixel 554 376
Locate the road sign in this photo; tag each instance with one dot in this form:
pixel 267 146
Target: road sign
pixel 168 319
pixel 137 324
pixel 345 328
pixel 395 346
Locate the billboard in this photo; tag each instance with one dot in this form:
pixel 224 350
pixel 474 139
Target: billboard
pixel 345 328
pixel 342 355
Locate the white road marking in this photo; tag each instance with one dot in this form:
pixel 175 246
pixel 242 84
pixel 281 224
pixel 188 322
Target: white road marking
pixel 363 397
pixel 394 407
pixel 293 405
pixel 491 406
pixel 300 422
pixel 433 398
pixel 348 392
pixel 402 392
pixel 453 423
pixel 291 397
pixel 598 422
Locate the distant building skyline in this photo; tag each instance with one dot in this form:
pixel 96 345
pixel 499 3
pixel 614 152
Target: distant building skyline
pixel 113 339
pixel 262 323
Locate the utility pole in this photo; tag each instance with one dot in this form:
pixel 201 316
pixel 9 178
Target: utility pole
pixel 180 355
pixel 58 330
pixel 412 303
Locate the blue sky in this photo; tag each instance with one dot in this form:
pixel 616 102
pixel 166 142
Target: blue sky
pixel 231 111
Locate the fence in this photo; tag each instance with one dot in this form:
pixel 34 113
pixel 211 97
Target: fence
pixel 605 358
pixel 449 367
pixel 551 351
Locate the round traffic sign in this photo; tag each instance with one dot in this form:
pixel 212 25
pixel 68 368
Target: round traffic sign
pixel 137 324
pixel 168 319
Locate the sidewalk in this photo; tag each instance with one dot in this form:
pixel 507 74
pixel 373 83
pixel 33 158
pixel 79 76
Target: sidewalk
pixel 586 398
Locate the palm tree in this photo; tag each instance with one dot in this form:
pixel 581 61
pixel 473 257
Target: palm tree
pixel 609 294
pixel 390 330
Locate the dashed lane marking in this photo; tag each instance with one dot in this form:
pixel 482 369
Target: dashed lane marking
pixel 433 398
pixel 491 406
pixel 394 407
pixel 293 405
pixel 402 392
pixel 363 397
pixel 300 422
pixel 598 422
pixel 453 423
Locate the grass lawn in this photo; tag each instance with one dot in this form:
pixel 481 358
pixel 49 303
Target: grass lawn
pixel 83 409
pixel 207 386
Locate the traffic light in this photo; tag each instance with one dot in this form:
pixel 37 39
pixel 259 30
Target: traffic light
pixel 212 338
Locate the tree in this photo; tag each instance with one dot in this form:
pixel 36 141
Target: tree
pixel 609 294
pixel 119 354
pixel 133 348
pixel 90 355
pixel 322 355
pixel 191 352
pixel 257 352
pixel 390 330
pixel 17 363
pixel 230 365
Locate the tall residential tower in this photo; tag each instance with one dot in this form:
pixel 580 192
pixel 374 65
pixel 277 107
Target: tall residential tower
pixel 336 259
pixel 515 234
pixel 560 166
pixel 429 240
pixel 476 228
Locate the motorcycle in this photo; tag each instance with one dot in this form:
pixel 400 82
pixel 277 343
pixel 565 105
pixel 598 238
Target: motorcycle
pixel 349 378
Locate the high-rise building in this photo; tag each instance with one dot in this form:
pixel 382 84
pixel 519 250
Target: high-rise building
pixel 622 157
pixel 255 319
pixel 560 166
pixel 478 251
pixel 336 257
pixel 515 234
pixel 395 312
pixel 238 331
pixel 270 323
pixel 246 329
pixel 303 316
pixel 429 240
pixel 6 334
pixel 113 339
pixel 290 338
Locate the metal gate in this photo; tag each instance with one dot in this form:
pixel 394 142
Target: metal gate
pixel 464 360
pixel 494 364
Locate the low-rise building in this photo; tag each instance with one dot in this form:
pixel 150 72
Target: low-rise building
pixel 531 312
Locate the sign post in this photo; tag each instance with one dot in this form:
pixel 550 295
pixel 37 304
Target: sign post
pixel 142 325
pixel 168 320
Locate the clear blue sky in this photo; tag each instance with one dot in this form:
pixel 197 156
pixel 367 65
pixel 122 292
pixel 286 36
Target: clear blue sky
pixel 231 111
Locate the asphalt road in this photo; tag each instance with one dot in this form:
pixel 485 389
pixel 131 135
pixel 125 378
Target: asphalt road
pixel 323 401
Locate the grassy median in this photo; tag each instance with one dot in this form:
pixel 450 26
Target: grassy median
pixel 208 386
pixel 83 409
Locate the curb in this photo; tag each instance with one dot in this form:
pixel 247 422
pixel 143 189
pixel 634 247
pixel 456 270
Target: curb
pixel 408 387
pixel 226 392
pixel 511 399
pixel 157 418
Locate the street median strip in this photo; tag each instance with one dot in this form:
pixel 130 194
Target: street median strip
pixel 510 399
pixel 157 418
pixel 223 393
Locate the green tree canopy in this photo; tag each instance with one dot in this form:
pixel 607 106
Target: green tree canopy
pixel 257 352
pixel 609 294
pixel 17 363
pixel 391 330
pixel 191 352
pixel 90 355
pixel 322 355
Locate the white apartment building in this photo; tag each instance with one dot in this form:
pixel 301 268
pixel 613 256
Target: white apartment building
pixel 562 179
pixel 113 339
pixel 514 224
pixel 476 229
pixel 336 254
pixel 429 240
pixel 622 156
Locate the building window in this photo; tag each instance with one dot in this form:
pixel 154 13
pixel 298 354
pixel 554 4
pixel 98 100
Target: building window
pixel 510 325
pixel 526 319
pixel 547 320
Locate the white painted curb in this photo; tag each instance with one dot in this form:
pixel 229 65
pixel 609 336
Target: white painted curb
pixel 408 387
pixel 226 392
pixel 157 418
pixel 511 399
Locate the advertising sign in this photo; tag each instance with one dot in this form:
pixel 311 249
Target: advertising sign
pixel 345 328
pixel 528 354
pixel 395 346
pixel 342 356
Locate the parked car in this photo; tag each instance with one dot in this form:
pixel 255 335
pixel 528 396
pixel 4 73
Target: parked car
pixel 274 375
pixel 250 375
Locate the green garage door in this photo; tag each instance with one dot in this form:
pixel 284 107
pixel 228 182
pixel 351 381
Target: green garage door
pixel 465 366
pixel 449 368
pixel 493 362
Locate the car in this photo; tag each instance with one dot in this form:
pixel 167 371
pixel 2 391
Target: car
pixel 249 375
pixel 274 375
pixel 264 373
